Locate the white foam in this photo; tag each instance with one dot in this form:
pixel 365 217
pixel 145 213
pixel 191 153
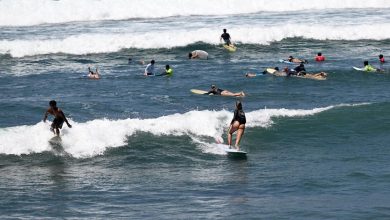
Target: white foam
pixel 27 12
pixel 94 137
pixel 102 43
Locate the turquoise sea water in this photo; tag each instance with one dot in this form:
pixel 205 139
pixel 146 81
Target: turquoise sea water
pixel 144 148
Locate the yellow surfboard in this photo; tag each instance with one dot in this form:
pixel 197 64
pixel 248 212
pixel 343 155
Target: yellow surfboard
pixel 230 47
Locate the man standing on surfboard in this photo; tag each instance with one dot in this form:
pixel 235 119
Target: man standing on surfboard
pixel 226 37
pixel 59 117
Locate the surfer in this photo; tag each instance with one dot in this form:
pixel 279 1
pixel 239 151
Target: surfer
pixel 168 71
pixel 217 91
pixel 59 118
pixel 93 75
pixel 237 124
pixel 296 60
pixel 319 57
pixel 299 70
pixel 198 54
pixel 369 68
pixel 381 58
pixel 149 70
pixel 226 37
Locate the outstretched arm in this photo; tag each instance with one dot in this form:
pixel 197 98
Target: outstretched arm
pixel 66 120
pixel 45 116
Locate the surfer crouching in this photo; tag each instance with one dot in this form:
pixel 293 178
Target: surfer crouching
pixel 59 118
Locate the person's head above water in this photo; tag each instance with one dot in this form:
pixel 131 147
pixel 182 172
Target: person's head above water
pixel 301 65
pixel 380 56
pixel 365 63
pixel 152 61
pixel 167 67
pixel 53 104
pixel 189 55
pixel 224 30
pixel 276 68
pixel 319 54
pixel 238 105
pixel 213 87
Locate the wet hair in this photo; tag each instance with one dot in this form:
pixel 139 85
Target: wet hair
pixel 246 74
pixel 189 55
pixel 301 65
pixel 365 63
pixel 53 103
pixel 380 56
pixel 276 68
pixel 213 86
pixel 167 66
pixel 152 62
pixel 319 54
pixel 290 57
pixel 238 105
pixel 224 30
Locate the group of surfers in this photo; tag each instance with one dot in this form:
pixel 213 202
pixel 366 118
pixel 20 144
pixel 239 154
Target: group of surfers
pixel 238 122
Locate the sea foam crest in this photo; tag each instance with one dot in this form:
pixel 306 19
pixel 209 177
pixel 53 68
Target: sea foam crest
pixel 27 12
pixel 106 43
pixel 94 137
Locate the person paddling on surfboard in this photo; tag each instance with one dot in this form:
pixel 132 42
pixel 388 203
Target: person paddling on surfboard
pixel 369 68
pixel 237 124
pixel 59 118
pixel 226 37
pixel 217 91
pixel 198 54
pixel 296 60
pixel 149 70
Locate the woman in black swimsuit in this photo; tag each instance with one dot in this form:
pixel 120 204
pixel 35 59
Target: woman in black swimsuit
pixel 217 91
pixel 237 124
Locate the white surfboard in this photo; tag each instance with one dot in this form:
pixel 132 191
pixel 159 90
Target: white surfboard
pixel 232 152
pixel 199 92
pixel 357 68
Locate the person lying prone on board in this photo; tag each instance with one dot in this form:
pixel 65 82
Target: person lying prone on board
pixel 296 60
pixel 217 91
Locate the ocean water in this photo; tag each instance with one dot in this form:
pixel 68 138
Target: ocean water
pixel 144 147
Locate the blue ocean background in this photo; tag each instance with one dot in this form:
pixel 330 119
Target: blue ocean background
pixel 145 147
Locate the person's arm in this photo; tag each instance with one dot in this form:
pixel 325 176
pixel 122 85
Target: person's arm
pixel 46 114
pixel 66 120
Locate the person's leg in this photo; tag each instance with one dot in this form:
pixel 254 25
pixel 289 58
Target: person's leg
pixel 240 132
pixel 233 128
pixel 228 93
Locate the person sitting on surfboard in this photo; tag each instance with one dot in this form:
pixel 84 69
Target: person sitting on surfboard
pixel 369 68
pixel 149 70
pixel 299 70
pixel 226 37
pixel 59 118
pixel 217 91
pixel 168 71
pixel 93 75
pixel 296 60
pixel 237 124
pixel 319 57
pixel 198 54
pixel 381 58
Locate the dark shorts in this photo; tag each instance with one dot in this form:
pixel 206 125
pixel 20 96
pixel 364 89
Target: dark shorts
pixel 57 123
